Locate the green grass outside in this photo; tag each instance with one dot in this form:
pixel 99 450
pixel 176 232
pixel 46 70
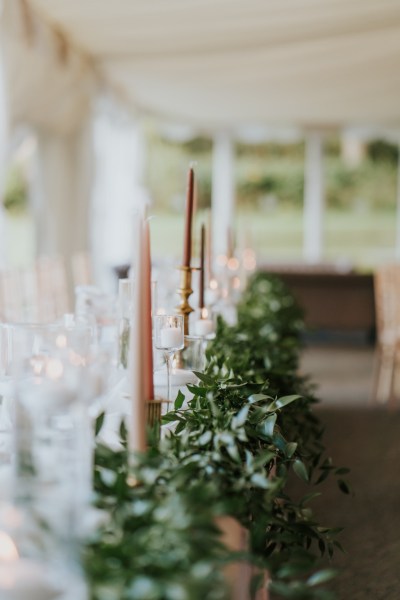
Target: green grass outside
pixel 364 240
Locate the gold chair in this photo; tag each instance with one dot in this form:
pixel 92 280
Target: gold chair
pixel 387 354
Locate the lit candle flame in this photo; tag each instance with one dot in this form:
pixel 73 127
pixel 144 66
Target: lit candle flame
pixel 233 264
pixel 204 313
pixel 213 284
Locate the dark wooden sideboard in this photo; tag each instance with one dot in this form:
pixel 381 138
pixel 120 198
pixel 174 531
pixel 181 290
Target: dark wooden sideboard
pixel 333 301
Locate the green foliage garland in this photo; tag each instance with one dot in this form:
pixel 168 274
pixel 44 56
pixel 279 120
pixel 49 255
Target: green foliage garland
pixel 232 450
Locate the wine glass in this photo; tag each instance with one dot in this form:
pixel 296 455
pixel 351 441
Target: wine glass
pixel 169 337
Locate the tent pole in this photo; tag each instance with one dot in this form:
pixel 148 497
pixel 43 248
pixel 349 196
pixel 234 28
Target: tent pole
pixel 223 192
pixel 397 246
pixel 314 200
pixel 4 137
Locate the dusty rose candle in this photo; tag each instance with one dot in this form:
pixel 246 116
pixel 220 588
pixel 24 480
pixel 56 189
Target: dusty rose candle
pixel 202 266
pixel 187 245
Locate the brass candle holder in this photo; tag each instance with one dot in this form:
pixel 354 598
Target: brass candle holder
pixel 154 411
pixel 184 291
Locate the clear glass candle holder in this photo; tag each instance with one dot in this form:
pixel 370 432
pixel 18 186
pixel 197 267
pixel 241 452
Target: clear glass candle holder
pixel 169 337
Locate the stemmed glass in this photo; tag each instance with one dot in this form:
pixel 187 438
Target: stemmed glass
pixel 169 337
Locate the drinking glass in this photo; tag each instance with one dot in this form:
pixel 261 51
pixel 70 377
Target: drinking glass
pixel 169 337
pixel 53 388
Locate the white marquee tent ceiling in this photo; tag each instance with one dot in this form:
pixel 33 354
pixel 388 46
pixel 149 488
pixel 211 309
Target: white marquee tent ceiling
pixel 214 63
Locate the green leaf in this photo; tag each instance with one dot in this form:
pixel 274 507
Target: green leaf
pixel 309 497
pixel 233 452
pixel 342 471
pixel 291 448
pixel 257 398
pixel 267 427
pixel 300 469
pixel 264 457
pixel 179 400
pixel 286 400
pixel 207 379
pixel 241 417
pixel 256 583
pixel 343 486
pixel 99 423
pixel 205 438
pixel 260 481
pixel 169 418
pixel 324 475
pixel 321 577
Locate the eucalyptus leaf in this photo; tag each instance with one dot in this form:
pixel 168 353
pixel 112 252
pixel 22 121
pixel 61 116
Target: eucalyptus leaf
pixel 240 418
pixel 286 400
pixel 267 427
pixel 99 423
pixel 290 449
pixel 257 398
pixel 180 399
pixel 343 486
pixel 321 577
pixel 226 454
pixel 300 469
pixel 205 438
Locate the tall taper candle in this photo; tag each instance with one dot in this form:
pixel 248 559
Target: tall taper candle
pixel 187 246
pixel 202 265
pixel 229 242
pixel 209 269
pixel 147 320
pixel 137 354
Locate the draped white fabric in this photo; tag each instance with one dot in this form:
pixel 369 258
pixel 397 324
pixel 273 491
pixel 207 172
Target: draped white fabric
pixel 50 84
pixel 222 62
pixel 3 110
pixel 63 194
pixel 118 188
pixel 215 65
pixel 4 137
pixel 50 87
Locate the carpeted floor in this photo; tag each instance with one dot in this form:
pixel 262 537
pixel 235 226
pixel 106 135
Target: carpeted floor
pixel 368 442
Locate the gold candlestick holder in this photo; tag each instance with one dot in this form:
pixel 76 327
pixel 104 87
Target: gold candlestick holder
pixel 184 291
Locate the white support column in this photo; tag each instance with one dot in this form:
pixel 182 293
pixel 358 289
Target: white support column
pixel 397 247
pixel 314 199
pixel 61 194
pixel 223 192
pixel 4 138
pixel 118 191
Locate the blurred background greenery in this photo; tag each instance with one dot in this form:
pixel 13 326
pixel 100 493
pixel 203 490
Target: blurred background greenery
pixel 360 199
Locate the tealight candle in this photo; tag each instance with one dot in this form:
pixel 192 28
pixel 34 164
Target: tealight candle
pixel 203 327
pixel 22 578
pixel 171 337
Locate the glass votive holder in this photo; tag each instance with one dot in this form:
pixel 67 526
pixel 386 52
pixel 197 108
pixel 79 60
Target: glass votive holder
pixel 125 307
pixel 35 562
pixel 193 356
pixel 203 323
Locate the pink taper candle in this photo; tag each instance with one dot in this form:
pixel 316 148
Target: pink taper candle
pixel 147 320
pixel 141 367
pixel 187 246
pixel 202 265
